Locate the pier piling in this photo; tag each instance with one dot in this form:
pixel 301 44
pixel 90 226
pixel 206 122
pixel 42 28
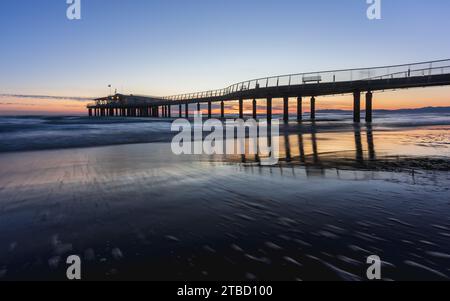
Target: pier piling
pixel 299 108
pixel 209 109
pixel 313 108
pixel 357 107
pixel 269 109
pixel 369 105
pixel 241 108
pixel 286 109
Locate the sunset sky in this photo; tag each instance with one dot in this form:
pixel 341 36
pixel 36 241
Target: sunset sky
pixel 165 47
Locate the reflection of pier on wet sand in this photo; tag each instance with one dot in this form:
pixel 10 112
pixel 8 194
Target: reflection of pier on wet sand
pixel 315 152
pixel 361 148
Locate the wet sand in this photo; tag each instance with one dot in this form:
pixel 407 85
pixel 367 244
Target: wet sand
pixel 138 212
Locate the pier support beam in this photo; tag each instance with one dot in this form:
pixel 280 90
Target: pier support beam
pixel 269 109
pixel 222 109
pixel 241 108
pixel 357 107
pixel 254 105
pixel 180 111
pixel 209 110
pixel 286 109
pixel 186 109
pixel 313 108
pixel 169 111
pixel 369 107
pixel 90 112
pixel 299 108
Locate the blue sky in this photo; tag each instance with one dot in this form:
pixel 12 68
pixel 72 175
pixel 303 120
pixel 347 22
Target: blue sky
pixel 164 47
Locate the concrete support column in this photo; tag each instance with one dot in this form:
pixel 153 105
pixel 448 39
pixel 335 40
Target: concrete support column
pixel 209 110
pixel 241 108
pixel 90 112
pixel 369 106
pixel 180 111
pixel 286 109
pixel 199 107
pixel 169 111
pixel 222 109
pixel 254 108
pixel 299 108
pixel 187 110
pixel 313 108
pixel 357 106
pixel 269 109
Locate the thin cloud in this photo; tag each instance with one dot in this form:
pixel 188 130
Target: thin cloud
pixel 76 98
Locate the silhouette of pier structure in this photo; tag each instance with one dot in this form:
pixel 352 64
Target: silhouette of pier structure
pixel 361 82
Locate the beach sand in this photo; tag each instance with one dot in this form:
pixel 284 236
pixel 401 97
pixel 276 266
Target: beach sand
pixel 136 211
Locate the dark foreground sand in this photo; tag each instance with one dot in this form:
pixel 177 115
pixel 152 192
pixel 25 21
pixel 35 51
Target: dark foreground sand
pixel 139 212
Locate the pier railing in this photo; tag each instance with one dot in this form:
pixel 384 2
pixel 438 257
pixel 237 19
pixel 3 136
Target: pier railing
pixel 360 74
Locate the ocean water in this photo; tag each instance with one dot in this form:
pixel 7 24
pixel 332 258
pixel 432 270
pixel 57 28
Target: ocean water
pixel 41 133
pixel 111 191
